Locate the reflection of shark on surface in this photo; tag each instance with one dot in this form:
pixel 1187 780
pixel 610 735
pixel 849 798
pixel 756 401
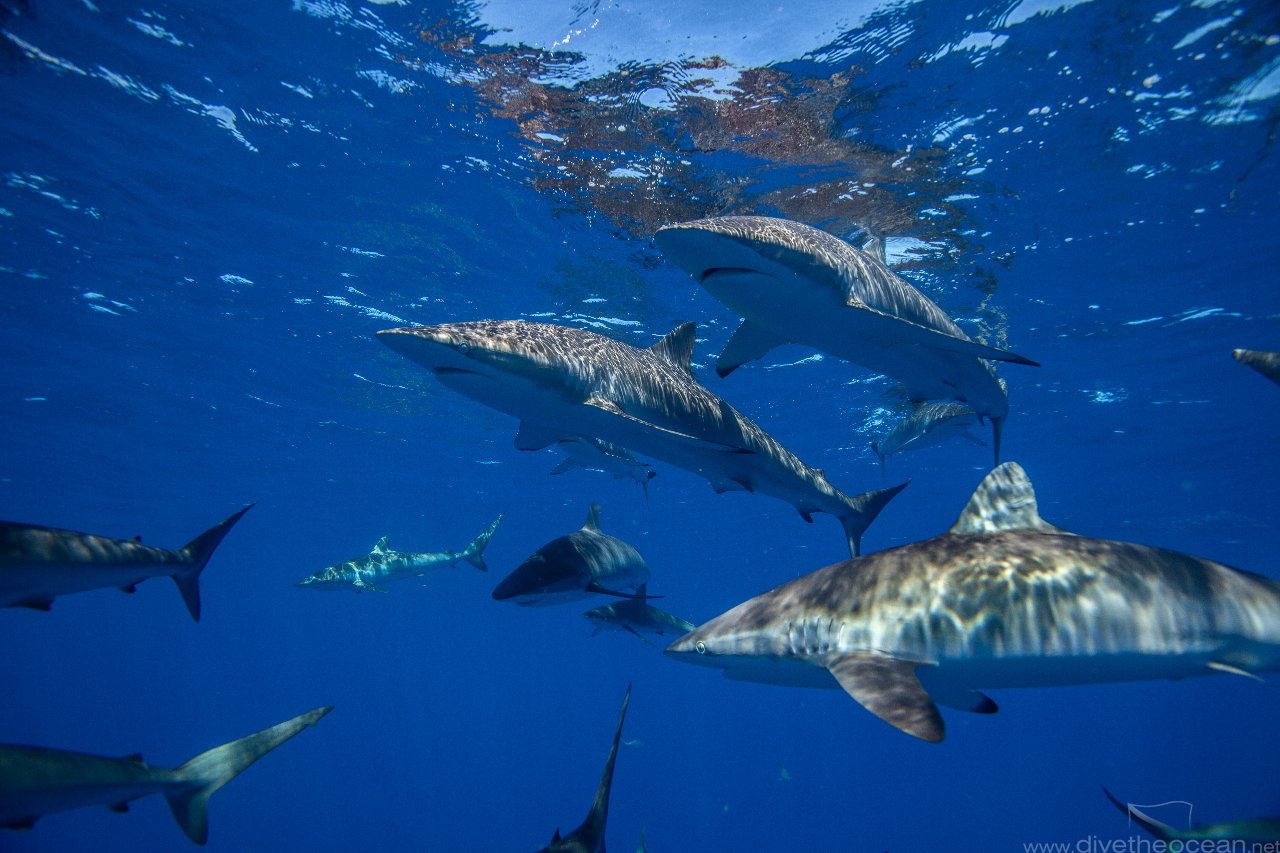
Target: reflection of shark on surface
pixel 564 382
pixel 585 562
pixel 793 283
pixel 36 781
pixel 597 455
pixel 1261 829
pixel 38 564
pixel 589 837
pixel 1266 363
pixel 927 425
pixel 638 617
pixel 382 565
pixel 1003 599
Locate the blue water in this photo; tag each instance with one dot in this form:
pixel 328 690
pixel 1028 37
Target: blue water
pixel 207 210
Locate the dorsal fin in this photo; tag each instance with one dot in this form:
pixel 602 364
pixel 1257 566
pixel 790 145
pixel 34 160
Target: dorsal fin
pixel 1004 500
pixel 677 347
pixel 593 519
pixel 383 546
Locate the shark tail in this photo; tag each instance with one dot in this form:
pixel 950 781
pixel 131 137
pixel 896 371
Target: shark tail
pixel 209 771
pixel 863 510
pixel 472 553
pixel 199 550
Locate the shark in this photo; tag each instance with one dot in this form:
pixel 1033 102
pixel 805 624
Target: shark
pixel 382 565
pixel 1255 829
pixel 594 454
pixel 1002 599
pixel 792 283
pixel 570 567
pixel 38 564
pixel 928 424
pixel 589 836
pixel 1266 363
pixel 637 617
pixel 564 382
pixel 36 781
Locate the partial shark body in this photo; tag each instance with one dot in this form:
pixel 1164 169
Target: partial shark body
pixel 36 781
pixel 796 284
pixel 927 425
pixel 1259 829
pixel 1003 599
pixel 589 837
pixel 638 617
pixel 594 454
pixel 563 382
pixel 574 566
pixel 1266 363
pixel 38 564
pixel 382 565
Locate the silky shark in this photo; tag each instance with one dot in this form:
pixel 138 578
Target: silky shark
pixel 38 564
pixel 636 616
pixel 597 455
pixel 1003 599
pixel 589 837
pixel 563 382
pixel 927 425
pixel 382 565
pixel 1258 829
pixel 574 566
pixel 1266 363
pixel 36 781
pixel 795 284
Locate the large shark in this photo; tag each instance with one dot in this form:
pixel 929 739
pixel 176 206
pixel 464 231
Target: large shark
pixel 637 617
pixel 594 454
pixel 36 781
pixel 1255 829
pixel 574 566
pixel 38 564
pixel 1266 363
pixel 793 283
pixel 589 837
pixel 1003 599
pixel 565 382
pixel 928 424
pixel 382 565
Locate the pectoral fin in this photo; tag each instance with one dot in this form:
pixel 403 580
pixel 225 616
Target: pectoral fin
pixel 888 688
pixel 1233 670
pixel 749 343
pixel 535 436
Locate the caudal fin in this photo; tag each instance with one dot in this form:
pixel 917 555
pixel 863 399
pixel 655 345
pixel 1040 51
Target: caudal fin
pixel 863 510
pixel 211 770
pixel 199 550
pixel 472 553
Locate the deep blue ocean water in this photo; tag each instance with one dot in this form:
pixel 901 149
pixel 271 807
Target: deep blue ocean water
pixel 207 210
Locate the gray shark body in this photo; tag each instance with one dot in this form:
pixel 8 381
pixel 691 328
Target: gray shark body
pixel 637 617
pixel 1003 599
pixel 927 425
pixel 564 382
pixel 571 567
pixel 37 781
pixel 38 564
pixel 382 565
pixel 1257 829
pixel 595 454
pixel 1266 363
pixel 589 837
pixel 793 283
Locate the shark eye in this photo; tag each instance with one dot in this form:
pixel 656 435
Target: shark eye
pixel 462 348
pixel 700 647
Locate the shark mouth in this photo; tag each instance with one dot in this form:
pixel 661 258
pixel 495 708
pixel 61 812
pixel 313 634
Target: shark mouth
pixel 713 272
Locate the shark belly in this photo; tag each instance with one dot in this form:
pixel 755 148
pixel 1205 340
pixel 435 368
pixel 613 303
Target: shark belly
pixel 23 583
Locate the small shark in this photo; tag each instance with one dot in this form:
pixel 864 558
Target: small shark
pixel 382 565
pixel 1262 829
pixel 38 564
pixel 1003 599
pixel 795 284
pixel 564 382
pixel 36 781
pixel 575 566
pixel 589 837
pixel 594 454
pixel 928 424
pixel 637 617
pixel 1266 363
